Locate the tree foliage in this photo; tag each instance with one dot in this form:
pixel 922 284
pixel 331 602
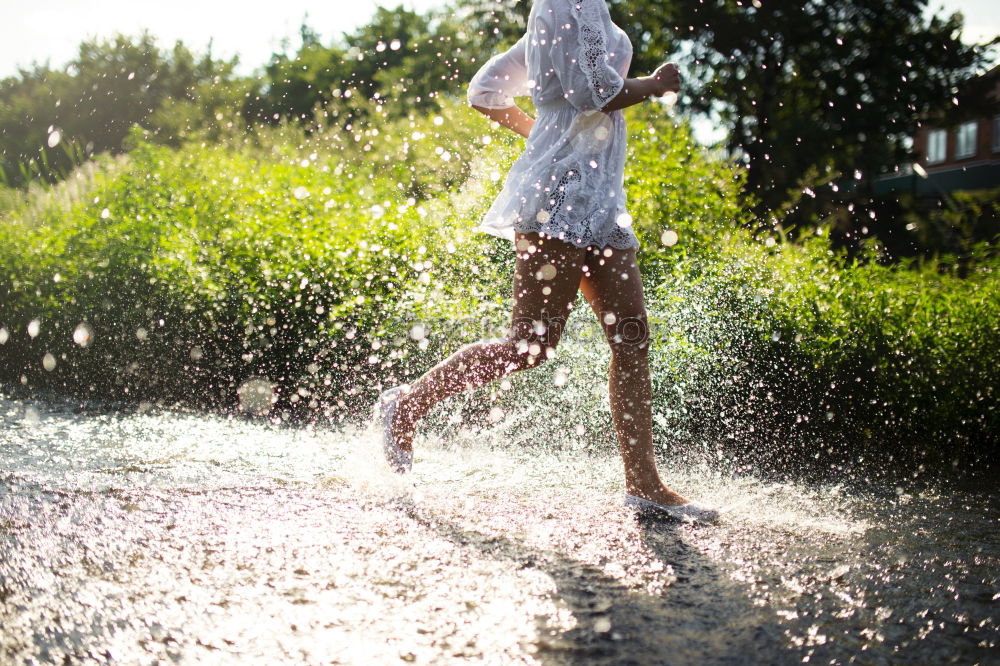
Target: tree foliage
pixel 52 118
pixel 822 88
pixel 401 57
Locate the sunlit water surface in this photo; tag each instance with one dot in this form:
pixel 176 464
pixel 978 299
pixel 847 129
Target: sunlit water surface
pixel 156 536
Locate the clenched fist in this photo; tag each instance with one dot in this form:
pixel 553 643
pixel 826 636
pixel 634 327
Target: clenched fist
pixel 666 78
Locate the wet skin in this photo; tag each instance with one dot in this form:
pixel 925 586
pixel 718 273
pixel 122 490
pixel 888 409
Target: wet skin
pixel 547 276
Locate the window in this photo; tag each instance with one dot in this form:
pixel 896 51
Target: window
pixel 937 141
pixel 996 134
pixel 965 140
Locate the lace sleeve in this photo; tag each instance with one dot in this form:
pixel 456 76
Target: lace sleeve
pixel 502 78
pixel 580 56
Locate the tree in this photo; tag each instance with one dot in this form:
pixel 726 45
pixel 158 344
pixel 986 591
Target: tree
pixel 822 87
pixel 51 118
pixel 400 57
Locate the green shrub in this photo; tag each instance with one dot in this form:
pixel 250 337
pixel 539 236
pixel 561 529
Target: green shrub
pixel 328 263
pixel 813 360
pixel 289 256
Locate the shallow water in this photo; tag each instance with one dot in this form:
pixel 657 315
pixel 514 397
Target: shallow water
pixel 158 536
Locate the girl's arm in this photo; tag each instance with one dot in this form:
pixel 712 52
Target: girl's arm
pixel 513 118
pixel 496 84
pixel 665 79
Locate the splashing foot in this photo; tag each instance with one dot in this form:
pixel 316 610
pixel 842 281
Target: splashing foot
pixel 658 493
pixel 662 502
pixel 398 450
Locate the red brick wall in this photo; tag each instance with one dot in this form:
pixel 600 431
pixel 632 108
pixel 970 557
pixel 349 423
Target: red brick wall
pixel 984 140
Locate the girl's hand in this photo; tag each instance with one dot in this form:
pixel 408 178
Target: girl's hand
pixel 666 78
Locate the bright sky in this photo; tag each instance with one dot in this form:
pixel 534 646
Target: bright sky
pixel 50 30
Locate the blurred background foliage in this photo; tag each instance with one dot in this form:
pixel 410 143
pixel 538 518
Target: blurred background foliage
pixel 819 98
pixel 172 229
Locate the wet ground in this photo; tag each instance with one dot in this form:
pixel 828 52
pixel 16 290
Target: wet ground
pixel 162 537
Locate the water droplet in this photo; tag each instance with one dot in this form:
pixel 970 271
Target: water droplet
pixel 377 211
pixel 624 220
pixel 418 332
pixel 395 45
pixel 105 214
pixel 496 414
pixel 55 136
pixel 141 333
pixel 669 238
pixel 609 318
pixel 256 395
pixel 301 192
pixel 49 362
pixel 4 336
pixel 546 272
pixel 34 327
pixel 83 334
pixel 562 374
pixel 196 353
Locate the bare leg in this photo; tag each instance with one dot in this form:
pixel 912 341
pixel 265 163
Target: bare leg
pixel 613 287
pixel 546 280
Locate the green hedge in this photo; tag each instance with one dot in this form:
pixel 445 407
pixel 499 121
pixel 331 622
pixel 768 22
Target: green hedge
pixel 333 262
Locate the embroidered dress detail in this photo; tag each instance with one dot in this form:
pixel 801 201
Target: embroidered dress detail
pixel 594 46
pixel 568 183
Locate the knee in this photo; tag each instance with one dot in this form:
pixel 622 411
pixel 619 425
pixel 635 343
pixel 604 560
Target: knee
pixel 627 336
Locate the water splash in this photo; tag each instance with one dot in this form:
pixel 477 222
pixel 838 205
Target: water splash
pixel 283 541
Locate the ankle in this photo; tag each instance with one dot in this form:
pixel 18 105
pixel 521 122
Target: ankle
pixel 655 491
pixel 642 486
pixel 405 408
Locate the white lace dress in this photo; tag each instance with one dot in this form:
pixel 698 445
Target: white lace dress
pixel 568 183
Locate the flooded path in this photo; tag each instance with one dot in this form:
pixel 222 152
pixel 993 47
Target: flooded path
pixel 164 537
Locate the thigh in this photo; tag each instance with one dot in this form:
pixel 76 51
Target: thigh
pixel 612 285
pixel 546 280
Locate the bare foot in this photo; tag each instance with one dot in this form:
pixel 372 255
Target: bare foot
pixel 659 493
